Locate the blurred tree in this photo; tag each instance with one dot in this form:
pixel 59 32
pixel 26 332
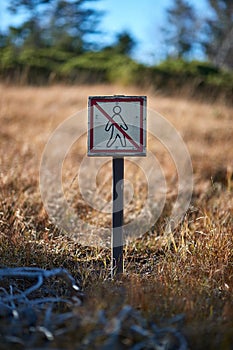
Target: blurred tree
pixel 218 33
pixel 3 40
pixel 70 25
pixel 180 30
pixel 29 33
pixel 123 45
pixel 64 24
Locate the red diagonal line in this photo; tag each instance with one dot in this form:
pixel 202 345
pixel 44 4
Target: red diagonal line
pixel 116 125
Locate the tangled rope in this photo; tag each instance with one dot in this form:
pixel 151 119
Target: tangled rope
pixel 40 309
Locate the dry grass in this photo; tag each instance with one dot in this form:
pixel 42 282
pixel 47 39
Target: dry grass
pixel 189 271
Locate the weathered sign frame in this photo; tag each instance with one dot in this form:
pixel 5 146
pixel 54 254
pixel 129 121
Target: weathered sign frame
pixel 134 146
pixel 117 128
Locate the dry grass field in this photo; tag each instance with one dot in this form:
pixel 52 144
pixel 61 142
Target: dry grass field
pixel 189 271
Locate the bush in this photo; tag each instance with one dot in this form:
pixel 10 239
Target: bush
pixel 194 78
pixel 8 58
pixel 100 66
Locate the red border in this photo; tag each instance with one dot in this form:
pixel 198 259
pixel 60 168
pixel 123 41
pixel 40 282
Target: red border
pixel 94 102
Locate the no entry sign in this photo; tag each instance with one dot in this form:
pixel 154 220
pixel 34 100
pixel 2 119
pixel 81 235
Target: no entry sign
pixel 117 126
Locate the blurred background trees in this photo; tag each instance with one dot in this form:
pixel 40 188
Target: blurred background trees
pixel 62 24
pixel 181 29
pixel 61 40
pixel 218 30
pixel 124 44
pixel 213 33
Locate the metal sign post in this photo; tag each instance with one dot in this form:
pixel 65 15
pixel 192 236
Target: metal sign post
pixel 117 128
pixel 117 215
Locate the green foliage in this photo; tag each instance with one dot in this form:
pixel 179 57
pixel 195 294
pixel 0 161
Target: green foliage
pixel 31 65
pixel 198 79
pixel 84 68
pixel 102 66
pixel 207 72
pixel 122 70
pixel 8 58
pixel 188 67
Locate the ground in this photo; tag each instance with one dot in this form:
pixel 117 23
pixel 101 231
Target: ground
pixel 187 270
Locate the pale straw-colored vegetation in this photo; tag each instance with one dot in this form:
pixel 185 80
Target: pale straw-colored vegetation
pixel 188 271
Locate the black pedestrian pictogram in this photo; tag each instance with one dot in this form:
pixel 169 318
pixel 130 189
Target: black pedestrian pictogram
pixel 115 133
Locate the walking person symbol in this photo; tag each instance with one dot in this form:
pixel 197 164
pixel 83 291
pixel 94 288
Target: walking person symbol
pixel 115 133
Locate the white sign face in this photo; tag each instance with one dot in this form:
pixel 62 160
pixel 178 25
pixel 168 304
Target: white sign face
pixel 117 126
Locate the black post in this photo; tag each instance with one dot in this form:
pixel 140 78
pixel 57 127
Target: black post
pixel 117 215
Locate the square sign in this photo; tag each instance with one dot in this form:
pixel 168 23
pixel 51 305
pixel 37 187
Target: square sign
pixel 117 126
